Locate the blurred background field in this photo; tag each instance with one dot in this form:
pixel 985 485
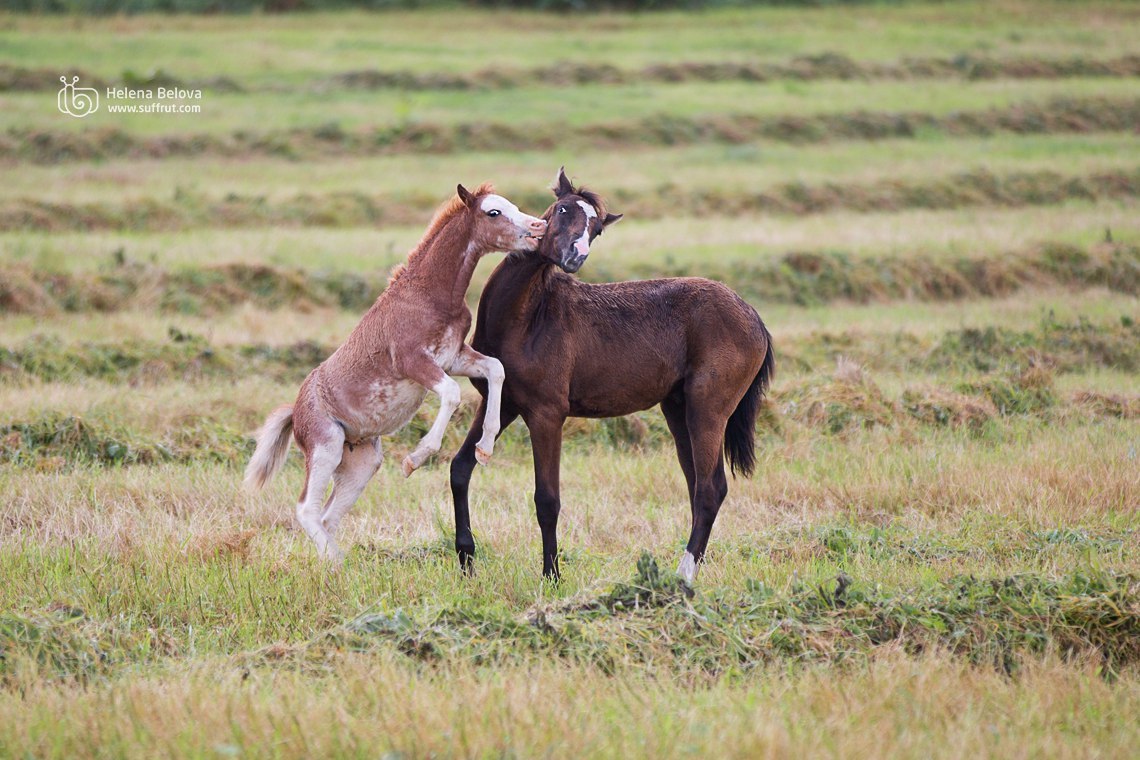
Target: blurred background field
pixel 933 206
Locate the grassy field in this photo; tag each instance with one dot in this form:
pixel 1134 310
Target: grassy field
pixel 935 209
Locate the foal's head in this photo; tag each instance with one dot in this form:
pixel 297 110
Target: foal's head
pixel 575 219
pixel 497 224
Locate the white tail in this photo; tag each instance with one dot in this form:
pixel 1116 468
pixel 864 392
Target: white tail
pixel 272 446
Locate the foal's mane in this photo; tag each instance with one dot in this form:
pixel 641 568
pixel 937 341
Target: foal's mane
pixel 590 197
pixel 447 211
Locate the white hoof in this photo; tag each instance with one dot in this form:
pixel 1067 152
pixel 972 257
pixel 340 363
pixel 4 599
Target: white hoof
pixel 482 456
pixel 688 568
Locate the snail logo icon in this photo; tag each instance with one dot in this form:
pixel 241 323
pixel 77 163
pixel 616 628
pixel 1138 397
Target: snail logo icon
pixel 77 101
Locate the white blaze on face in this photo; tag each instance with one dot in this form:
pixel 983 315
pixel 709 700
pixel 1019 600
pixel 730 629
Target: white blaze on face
pixel 582 244
pixel 509 210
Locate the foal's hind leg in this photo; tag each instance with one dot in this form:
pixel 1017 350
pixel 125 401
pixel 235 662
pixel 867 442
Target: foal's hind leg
pixel 674 410
pixel 323 450
pixel 710 486
pixel 357 466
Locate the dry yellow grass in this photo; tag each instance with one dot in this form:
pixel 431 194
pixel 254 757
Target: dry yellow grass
pixel 893 706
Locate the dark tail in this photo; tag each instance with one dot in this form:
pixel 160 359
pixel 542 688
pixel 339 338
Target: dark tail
pixel 740 435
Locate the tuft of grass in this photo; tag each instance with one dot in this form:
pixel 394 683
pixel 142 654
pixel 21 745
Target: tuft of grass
pixel 60 645
pixel 54 440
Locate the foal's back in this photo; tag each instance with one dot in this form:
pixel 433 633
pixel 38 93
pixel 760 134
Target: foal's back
pixel 616 348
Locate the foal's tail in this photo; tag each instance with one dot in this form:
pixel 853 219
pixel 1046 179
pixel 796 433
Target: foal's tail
pixel 740 435
pixel 272 446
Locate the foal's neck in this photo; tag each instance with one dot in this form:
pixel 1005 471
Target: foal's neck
pixel 441 267
pixel 522 282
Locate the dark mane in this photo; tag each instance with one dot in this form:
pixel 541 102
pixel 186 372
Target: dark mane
pixel 590 197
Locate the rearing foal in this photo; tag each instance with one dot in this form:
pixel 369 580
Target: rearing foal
pixel 405 345
pixel 572 349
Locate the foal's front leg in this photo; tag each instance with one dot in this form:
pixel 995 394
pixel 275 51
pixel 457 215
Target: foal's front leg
pixel 421 368
pixel 471 363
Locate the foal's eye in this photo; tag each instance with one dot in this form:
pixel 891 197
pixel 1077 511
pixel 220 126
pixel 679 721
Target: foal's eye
pixel 561 209
pixel 494 212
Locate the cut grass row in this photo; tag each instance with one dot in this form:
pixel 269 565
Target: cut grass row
pixel 671 242
pixel 190 210
pixel 14 78
pixel 1067 347
pixel 655 621
pixel 1086 109
pixel 928 479
pixel 296 48
pixel 425 180
pixel 804 278
pixel 984 405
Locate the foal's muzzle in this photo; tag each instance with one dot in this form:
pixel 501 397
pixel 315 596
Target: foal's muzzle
pixel 573 262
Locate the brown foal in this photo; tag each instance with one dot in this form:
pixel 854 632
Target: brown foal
pixel 405 345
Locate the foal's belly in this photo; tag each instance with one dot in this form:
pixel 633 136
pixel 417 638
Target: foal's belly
pixel 591 397
pixel 388 406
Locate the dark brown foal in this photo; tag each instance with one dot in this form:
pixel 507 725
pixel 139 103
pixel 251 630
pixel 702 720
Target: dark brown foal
pixel 571 349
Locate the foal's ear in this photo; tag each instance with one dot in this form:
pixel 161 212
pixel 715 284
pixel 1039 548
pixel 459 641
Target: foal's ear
pixel 465 196
pixel 562 185
pixel 610 219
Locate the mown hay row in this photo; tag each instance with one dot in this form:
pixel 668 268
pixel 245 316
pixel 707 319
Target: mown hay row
pixel 826 66
pixel 351 209
pixel 841 404
pixel 798 277
pixel 1058 116
pixel 1055 346
pixel 54 441
pixel 655 620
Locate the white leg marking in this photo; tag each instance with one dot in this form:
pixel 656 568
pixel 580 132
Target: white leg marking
pixel 471 363
pixel 448 392
pixel 495 375
pixel 356 468
pixel 688 568
pixel 324 461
